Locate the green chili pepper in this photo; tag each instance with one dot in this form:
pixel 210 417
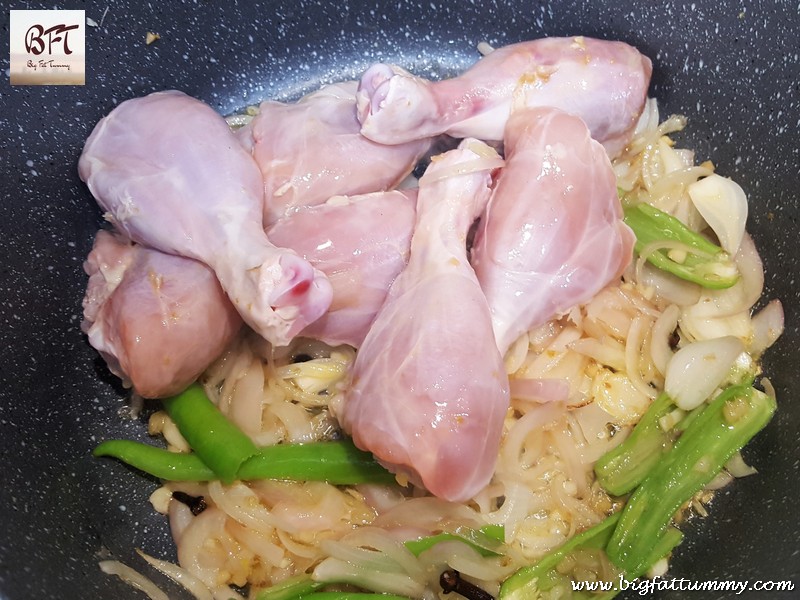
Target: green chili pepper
pixel 174 466
pixel 486 540
pixel 715 435
pixel 339 463
pixel 303 587
pixel 623 468
pixel 705 263
pixel 530 582
pixel 299 586
pixel 219 444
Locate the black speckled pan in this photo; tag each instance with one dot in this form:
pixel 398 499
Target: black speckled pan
pixel 733 68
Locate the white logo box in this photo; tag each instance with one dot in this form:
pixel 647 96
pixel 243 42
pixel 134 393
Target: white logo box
pixel 48 47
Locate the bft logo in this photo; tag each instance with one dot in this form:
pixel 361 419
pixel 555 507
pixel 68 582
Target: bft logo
pixel 48 47
pixel 35 38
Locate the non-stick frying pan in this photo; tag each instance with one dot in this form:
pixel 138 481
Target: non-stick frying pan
pixel 732 67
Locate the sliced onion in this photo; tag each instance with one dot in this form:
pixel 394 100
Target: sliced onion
pixel 593 422
pixel 722 479
pixel 308 551
pixel 648 131
pixel 294 419
pixel 660 350
pixel 767 327
pixel 372 560
pixel 742 295
pixel 727 312
pixel 633 354
pixel 247 397
pixel 671 160
pixel 659 568
pixel 224 592
pixel 672 418
pixel 467 562
pixel 738 325
pixel 240 503
pixel 428 513
pixel 180 517
pixel 180 576
pixel 666 286
pixel 769 389
pixel 381 498
pixel 208 525
pixel 540 390
pixel 616 394
pixel 133 578
pixel 530 425
pixel 519 502
pixel 608 352
pixel 174 438
pixel 738 468
pixel 723 204
pixel 677 175
pixel 699 368
pixel 648 120
pixel 268 552
pixel 516 355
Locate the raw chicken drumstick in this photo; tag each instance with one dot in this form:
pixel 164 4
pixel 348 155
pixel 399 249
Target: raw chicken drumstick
pixel 173 177
pixel 312 150
pixel 428 394
pixel 158 320
pixel 605 83
pixel 552 236
pixel 361 244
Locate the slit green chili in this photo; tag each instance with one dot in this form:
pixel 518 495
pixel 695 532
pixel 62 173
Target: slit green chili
pixel 623 468
pixel 705 263
pixel 486 540
pixel 222 451
pixel 219 444
pixel 529 582
pixel 304 587
pixel 338 463
pixel 716 434
pixel 292 588
pixel 173 466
